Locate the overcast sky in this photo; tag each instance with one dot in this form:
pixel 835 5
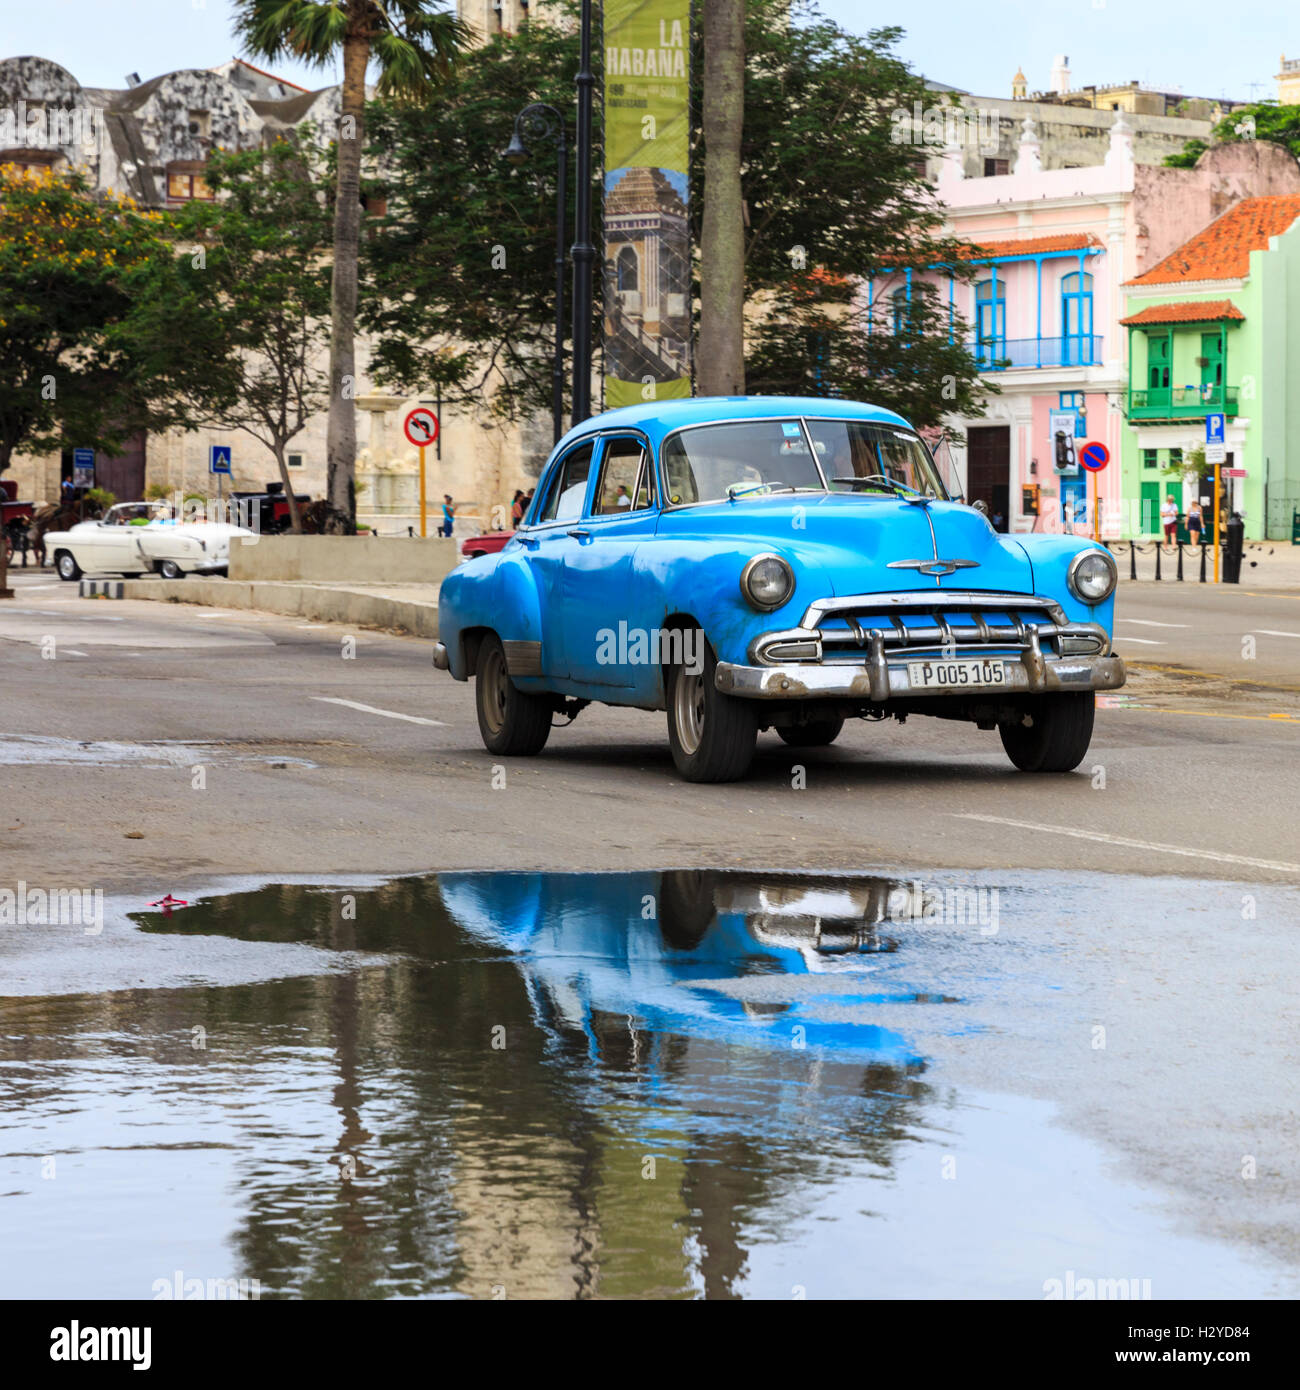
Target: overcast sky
pixel 1192 45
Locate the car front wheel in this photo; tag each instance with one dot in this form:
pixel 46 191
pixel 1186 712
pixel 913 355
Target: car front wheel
pixel 818 733
pixel 712 735
pixel 169 569
pixel 1054 732
pixel 511 721
pixel 68 569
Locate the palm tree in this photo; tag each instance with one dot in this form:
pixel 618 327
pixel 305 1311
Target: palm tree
pixel 413 46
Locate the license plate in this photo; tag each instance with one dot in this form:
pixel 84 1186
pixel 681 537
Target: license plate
pixel 955 675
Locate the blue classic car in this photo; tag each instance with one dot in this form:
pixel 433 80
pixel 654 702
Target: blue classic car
pixel 765 562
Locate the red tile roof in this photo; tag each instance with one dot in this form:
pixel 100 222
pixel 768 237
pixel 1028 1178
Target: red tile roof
pixel 1207 311
pixel 1030 246
pixel 1222 250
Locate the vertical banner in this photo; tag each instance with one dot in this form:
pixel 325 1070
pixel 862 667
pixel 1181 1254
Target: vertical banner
pixel 647 264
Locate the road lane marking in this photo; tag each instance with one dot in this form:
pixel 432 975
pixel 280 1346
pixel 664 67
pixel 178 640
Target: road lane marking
pixel 1270 632
pixel 1123 840
pixel 371 709
pixel 1143 641
pixel 1151 622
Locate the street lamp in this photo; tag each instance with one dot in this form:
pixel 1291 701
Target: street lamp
pixel 542 122
pixel 584 254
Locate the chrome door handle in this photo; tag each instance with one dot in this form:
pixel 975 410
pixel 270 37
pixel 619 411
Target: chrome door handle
pixel 580 535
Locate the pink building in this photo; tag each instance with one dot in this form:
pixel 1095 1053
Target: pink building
pixel 1052 249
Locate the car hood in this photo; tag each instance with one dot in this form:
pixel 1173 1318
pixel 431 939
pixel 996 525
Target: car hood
pixel 851 542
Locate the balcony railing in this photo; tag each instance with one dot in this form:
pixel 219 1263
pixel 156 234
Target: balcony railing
pixel 1007 354
pixel 1180 402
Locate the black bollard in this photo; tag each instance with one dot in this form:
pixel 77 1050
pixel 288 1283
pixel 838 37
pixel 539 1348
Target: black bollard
pixel 1157 559
pixel 1202 559
pixel 1180 562
pixel 1132 561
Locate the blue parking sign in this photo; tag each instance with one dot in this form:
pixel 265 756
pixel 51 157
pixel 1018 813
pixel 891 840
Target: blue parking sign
pixel 219 458
pixel 1214 429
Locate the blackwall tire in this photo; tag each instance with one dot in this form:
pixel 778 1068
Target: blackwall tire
pixel 712 735
pixel 511 722
pixel 1057 738
pixel 819 733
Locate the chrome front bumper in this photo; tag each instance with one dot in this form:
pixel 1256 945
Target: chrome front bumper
pixel 859 648
pixel 440 658
pixel 889 680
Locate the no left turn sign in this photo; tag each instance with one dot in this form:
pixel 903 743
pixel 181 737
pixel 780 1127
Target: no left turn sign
pixel 421 426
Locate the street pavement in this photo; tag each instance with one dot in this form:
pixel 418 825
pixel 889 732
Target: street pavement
pixel 326 749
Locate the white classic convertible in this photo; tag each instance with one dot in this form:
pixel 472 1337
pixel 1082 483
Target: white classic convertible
pixel 133 539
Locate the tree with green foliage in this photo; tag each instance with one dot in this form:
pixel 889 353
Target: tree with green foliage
pixel 460 290
pixel 460 274
pixel 414 46
pixel 1265 120
pixel 80 361
pixel 256 282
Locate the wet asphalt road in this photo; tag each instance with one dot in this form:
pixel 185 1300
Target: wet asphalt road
pixel 1154 895
pixel 317 762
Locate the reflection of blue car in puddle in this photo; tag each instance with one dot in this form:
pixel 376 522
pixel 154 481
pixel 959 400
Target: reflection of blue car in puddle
pixel 771 960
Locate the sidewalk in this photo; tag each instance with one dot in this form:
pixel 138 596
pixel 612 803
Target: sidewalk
pixel 1264 564
pixel 409 608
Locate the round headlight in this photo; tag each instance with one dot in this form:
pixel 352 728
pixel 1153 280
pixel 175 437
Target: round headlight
pixel 1093 576
pixel 767 582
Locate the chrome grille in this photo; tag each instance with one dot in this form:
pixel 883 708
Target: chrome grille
pixel 854 630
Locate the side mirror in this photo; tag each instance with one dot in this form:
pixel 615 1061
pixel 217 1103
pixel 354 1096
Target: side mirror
pixel 981 507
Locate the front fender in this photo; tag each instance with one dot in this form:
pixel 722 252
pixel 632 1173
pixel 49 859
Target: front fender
pixel 493 591
pixel 703 579
pixel 1050 556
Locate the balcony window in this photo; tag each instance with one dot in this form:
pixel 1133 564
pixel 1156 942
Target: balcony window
pixel 1150 458
pixel 1076 317
pixel 900 304
pixel 990 321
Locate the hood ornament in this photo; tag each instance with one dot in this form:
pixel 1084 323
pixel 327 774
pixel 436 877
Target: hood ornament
pixel 934 567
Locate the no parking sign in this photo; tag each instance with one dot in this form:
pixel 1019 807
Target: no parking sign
pixel 1094 456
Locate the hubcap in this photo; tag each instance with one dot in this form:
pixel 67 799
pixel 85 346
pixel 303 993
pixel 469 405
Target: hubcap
pixel 688 709
pixel 494 680
pixel 65 564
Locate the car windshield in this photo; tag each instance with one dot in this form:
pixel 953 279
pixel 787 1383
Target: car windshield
pixel 866 457
pixel 746 459
pixel 128 513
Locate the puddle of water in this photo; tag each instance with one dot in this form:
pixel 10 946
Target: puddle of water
pixel 39 750
pixel 674 1084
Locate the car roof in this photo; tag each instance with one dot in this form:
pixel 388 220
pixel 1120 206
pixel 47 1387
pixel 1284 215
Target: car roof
pixel 660 418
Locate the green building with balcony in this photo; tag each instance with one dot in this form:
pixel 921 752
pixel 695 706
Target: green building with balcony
pixel 1214 328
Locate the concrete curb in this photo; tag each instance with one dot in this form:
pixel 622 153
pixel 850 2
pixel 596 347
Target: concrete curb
pixel 354 606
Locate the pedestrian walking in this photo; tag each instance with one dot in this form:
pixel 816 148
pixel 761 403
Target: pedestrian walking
pixel 517 509
pixel 1195 523
pixel 1169 519
pixel 448 515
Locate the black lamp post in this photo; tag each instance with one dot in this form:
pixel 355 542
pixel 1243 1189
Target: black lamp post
pixel 544 122
pixel 584 254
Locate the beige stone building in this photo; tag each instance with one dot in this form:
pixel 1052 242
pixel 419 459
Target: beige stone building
pixel 150 140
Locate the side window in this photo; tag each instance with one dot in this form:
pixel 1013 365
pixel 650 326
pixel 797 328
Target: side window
pixel 568 491
pixel 624 479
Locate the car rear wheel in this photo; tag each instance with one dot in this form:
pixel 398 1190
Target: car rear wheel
pixel 1057 734
pixel 66 567
pixel 169 569
pixel 711 735
pixel 815 734
pixel 511 721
